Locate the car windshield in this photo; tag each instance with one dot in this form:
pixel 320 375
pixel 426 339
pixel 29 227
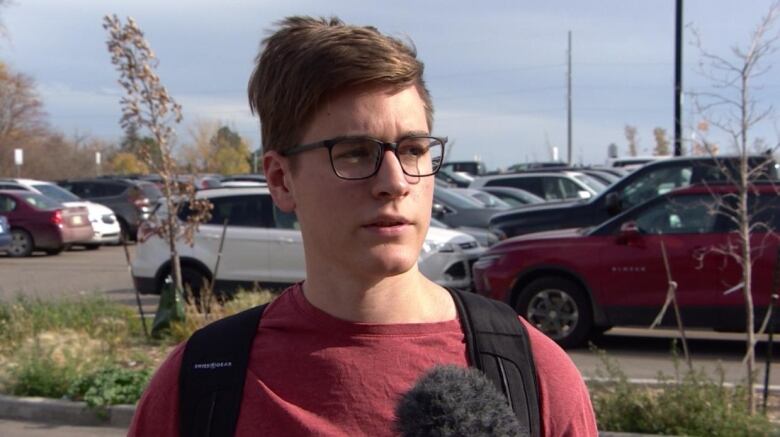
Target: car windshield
pixel 590 181
pixel 40 202
pixel 56 193
pixel 457 200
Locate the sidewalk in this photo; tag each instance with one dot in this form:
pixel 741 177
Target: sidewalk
pixel 14 428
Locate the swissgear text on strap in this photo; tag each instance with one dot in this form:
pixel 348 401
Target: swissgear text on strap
pixel 497 343
pixel 212 375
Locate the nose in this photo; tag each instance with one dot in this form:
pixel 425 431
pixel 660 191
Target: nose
pixel 390 180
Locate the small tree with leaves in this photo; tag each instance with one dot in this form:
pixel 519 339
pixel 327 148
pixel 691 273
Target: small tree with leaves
pixel 147 105
pixel 731 108
pixel 633 139
pixel 661 142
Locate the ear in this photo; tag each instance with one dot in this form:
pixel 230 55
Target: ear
pixel 278 176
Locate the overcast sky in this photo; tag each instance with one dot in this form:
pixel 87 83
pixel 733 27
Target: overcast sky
pixel 496 69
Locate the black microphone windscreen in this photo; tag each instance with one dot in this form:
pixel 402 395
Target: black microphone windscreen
pixel 452 401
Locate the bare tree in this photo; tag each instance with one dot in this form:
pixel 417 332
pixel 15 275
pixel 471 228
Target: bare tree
pixel 147 105
pixel 732 109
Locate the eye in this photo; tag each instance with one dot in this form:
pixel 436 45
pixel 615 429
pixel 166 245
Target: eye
pixel 354 150
pixel 415 146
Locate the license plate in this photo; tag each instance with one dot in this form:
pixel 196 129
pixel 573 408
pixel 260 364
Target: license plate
pixel 77 220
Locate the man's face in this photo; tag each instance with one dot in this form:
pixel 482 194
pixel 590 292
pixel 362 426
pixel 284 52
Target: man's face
pixel 373 227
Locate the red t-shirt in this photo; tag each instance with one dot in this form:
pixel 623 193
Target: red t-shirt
pixel 313 374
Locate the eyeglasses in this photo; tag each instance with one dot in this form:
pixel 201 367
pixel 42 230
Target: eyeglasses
pixel 355 158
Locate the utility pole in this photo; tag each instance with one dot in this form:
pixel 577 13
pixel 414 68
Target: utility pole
pixel 568 105
pixel 678 79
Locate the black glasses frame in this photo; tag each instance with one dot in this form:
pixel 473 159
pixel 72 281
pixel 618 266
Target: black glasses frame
pixel 328 144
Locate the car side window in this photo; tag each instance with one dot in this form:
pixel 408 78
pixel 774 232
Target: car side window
pixel 285 220
pixel 528 184
pixel 107 190
pixel 558 188
pixel 7 204
pixel 766 209
pixel 655 183
pixel 244 211
pixel 82 189
pixel 679 215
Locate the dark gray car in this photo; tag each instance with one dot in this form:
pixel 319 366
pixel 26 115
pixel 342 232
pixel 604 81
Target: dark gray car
pixel 131 200
pixel 457 210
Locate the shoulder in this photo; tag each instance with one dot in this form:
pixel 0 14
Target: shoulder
pixel 157 413
pixel 563 396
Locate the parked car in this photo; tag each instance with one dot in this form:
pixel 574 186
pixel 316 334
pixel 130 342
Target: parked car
pixel 634 162
pixel 453 178
pixel 486 199
pixel 40 223
pixel 104 223
pixel 249 177
pixel 474 168
pixel 263 245
pixel 651 180
pixel 131 200
pixel 513 196
pixel 483 236
pixel 5 234
pixel 573 282
pixel 457 210
pixel 551 186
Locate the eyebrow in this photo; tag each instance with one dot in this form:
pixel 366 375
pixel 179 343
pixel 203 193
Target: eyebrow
pixel 406 134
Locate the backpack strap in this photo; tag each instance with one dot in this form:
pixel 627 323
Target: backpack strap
pixel 497 343
pixel 212 375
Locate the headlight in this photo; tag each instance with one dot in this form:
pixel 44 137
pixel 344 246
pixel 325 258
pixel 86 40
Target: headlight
pixel 429 247
pixel 485 262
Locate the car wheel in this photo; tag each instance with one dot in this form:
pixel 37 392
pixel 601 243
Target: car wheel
pixel 55 251
pixel 193 281
pixel 124 233
pixel 559 308
pixel 21 243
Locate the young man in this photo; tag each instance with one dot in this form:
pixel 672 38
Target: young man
pixel 348 146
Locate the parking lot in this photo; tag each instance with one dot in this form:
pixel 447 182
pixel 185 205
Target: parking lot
pixel 642 353
pixel 70 274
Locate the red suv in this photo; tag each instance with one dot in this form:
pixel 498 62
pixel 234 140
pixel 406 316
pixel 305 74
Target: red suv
pixel 574 282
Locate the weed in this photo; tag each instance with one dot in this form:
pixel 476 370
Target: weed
pixel 110 385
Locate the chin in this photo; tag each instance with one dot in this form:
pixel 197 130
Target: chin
pixel 389 262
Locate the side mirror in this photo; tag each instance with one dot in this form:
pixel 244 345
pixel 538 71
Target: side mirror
pixel 438 210
pixel 629 231
pixel 584 194
pixel 612 202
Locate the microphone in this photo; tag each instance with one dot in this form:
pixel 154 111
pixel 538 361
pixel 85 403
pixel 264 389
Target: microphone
pixel 452 401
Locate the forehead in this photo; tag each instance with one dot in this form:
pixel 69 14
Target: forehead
pixel 381 112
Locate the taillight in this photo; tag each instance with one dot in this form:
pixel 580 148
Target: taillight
pixel 56 218
pixel 141 202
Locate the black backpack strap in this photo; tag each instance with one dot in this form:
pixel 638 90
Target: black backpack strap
pixel 497 343
pixel 212 375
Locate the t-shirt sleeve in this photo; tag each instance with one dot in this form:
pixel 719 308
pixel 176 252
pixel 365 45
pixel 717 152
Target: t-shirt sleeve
pixel 564 401
pixel 157 413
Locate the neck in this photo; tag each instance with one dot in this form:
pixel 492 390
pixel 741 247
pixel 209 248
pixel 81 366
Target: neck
pixel 405 298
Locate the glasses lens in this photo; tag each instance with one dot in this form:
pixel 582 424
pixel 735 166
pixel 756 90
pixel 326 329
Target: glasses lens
pixel 420 156
pixel 355 158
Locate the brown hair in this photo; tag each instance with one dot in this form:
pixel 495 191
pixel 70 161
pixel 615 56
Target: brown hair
pixel 308 60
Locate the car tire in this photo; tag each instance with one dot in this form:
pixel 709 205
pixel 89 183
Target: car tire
pixel 22 243
pixel 193 280
pixel 55 251
pixel 559 308
pixel 92 246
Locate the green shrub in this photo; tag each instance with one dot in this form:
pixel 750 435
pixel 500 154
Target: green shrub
pixel 104 319
pixel 110 385
pixel 694 405
pixel 38 373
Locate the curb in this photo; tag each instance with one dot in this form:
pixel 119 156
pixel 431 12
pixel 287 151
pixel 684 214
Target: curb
pixel 57 411
pixel 63 412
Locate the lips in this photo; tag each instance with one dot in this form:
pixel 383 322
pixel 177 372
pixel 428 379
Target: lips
pixel 387 222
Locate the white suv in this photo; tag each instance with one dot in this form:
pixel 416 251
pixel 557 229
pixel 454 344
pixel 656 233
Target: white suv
pixel 263 246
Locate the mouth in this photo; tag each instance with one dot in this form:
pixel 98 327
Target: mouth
pixel 387 223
